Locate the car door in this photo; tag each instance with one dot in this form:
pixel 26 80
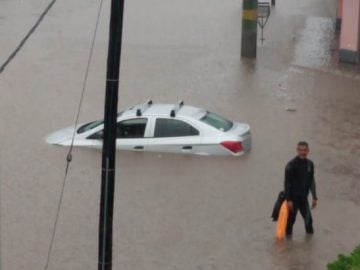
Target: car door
pixel 174 136
pixel 130 135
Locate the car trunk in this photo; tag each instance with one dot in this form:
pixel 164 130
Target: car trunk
pixel 243 132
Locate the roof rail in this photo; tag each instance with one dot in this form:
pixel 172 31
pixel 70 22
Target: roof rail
pixel 176 108
pixel 143 107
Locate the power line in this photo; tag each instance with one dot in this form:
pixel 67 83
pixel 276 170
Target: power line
pixel 23 41
pixel 69 155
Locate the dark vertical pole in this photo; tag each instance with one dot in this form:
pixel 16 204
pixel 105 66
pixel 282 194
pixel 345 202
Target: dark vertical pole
pixel 109 140
pixel 273 2
pixel 249 29
pixel 339 15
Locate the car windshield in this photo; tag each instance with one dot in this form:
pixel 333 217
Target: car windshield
pixel 89 126
pixel 217 121
pixel 94 124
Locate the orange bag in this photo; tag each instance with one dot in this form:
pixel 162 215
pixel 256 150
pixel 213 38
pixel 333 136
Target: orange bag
pixel 282 221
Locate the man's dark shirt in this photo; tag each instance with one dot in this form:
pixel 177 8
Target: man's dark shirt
pixel 299 179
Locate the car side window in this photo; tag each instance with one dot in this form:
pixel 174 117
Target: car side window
pixel 173 128
pixel 133 128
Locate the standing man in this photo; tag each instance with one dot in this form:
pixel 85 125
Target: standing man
pixel 299 180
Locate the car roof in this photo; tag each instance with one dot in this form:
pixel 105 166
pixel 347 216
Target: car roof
pixel 164 110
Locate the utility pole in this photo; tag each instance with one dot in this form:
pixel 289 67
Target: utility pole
pixel 249 29
pixel 109 138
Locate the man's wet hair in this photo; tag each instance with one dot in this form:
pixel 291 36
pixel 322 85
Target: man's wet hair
pixel 303 143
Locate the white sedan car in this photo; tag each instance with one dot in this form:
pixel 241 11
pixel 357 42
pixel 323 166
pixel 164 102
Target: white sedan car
pixel 175 128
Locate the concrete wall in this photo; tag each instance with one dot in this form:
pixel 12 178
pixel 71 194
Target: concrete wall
pixel 359 33
pixel 350 31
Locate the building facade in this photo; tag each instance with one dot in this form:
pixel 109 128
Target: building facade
pixel 348 24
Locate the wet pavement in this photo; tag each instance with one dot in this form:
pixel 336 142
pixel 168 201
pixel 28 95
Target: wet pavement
pixel 175 211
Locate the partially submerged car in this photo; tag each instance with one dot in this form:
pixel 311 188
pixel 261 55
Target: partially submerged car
pixel 175 128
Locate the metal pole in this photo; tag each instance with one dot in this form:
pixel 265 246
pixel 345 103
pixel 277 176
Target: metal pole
pixel 339 15
pixel 109 140
pixel 249 29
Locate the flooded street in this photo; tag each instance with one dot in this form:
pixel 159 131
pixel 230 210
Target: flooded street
pixel 175 212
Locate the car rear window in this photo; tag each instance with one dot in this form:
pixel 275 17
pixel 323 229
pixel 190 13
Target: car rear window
pixel 173 128
pixel 217 121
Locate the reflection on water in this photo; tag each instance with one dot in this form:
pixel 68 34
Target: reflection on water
pixel 313 49
pixel 294 254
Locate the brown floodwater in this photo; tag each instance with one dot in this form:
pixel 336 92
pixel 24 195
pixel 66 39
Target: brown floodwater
pixel 175 211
